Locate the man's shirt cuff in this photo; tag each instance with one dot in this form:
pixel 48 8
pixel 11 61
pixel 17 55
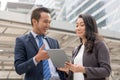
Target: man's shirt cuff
pixel 35 62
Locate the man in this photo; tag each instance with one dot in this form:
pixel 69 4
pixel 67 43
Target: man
pixel 30 56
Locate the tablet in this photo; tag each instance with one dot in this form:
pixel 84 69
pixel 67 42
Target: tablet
pixel 58 57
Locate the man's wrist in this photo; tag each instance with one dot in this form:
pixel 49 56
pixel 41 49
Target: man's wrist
pixel 37 59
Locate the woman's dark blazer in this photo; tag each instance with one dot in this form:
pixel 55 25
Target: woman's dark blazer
pixel 97 63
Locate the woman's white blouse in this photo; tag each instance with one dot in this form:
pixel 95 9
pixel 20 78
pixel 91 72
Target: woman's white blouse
pixel 79 61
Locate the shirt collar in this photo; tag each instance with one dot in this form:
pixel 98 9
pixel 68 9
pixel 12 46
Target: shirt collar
pixel 35 35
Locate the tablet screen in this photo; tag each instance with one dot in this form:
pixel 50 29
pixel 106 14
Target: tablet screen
pixel 58 57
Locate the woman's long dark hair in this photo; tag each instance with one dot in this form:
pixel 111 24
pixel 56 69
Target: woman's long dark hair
pixel 91 31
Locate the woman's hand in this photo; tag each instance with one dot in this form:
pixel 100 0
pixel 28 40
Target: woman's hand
pixel 65 69
pixel 75 67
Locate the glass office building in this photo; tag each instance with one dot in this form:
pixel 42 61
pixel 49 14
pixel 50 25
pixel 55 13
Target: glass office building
pixel 106 12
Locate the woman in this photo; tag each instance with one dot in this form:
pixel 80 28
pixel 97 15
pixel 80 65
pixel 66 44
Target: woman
pixel 90 60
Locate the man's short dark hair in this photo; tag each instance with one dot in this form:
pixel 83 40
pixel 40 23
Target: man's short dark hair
pixel 36 13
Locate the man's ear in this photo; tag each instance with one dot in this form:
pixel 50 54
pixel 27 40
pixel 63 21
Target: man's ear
pixel 34 21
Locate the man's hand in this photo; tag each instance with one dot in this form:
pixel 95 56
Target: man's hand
pixel 42 54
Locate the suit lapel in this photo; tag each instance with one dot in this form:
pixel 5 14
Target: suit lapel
pixel 49 42
pixel 76 52
pixel 32 40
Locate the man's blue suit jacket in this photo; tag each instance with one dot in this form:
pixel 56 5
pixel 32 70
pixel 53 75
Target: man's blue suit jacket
pixel 25 49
